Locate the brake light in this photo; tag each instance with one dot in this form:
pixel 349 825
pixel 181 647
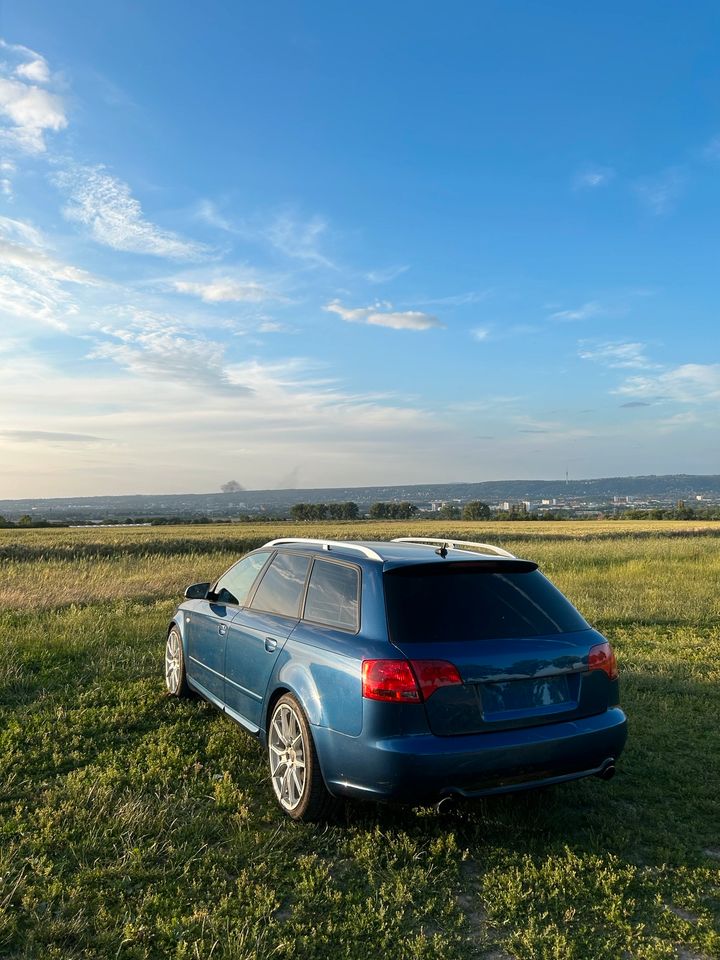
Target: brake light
pixel 389 680
pixel 602 657
pixel 406 681
pixel 432 674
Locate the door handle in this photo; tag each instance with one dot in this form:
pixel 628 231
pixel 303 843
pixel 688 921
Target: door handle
pixel 222 629
pixel 270 644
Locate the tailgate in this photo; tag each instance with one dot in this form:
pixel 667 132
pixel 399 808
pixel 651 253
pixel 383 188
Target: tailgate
pixel 519 645
pixel 514 683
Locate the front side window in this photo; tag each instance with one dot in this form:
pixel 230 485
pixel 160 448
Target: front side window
pixel 332 596
pixel 282 586
pixel 234 586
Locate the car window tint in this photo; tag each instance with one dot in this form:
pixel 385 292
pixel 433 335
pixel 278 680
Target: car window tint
pixel 234 586
pixel 332 596
pixel 282 585
pixel 475 602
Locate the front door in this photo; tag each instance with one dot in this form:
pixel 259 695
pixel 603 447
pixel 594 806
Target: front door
pixel 207 630
pixel 207 634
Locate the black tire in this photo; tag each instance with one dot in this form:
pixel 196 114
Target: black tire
pixel 175 678
pixel 295 774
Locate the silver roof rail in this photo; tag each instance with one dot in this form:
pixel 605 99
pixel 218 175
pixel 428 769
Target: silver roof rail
pixel 431 541
pixel 328 545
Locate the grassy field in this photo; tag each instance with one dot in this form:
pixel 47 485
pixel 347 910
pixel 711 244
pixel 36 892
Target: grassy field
pixel 133 826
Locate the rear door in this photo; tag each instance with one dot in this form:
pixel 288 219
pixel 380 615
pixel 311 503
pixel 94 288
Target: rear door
pixel 519 646
pixel 259 632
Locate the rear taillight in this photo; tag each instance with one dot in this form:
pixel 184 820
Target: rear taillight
pixel 389 680
pixel 406 681
pixel 432 674
pixel 602 657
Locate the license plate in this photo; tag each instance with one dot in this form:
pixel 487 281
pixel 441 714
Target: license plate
pixel 531 694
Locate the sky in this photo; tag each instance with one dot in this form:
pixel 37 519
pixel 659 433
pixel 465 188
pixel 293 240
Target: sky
pixel 323 244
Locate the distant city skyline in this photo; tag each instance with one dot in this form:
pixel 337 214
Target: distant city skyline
pixel 323 245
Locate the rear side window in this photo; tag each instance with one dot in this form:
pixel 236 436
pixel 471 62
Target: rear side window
pixel 475 601
pixel 282 586
pixel 332 596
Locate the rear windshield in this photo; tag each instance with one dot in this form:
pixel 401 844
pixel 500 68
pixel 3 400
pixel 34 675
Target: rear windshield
pixel 475 601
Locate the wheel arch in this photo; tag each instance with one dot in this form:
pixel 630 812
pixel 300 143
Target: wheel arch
pixel 270 706
pixel 178 621
pixel 296 681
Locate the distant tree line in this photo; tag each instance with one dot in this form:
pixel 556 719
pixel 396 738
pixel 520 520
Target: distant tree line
pixel 325 511
pixel 669 513
pixel 392 511
pixel 474 510
pixel 28 521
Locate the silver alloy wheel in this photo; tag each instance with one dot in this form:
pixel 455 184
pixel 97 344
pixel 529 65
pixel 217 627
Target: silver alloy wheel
pixel 173 662
pixel 287 757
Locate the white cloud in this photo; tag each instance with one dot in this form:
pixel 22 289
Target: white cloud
pixel 584 312
pixel 32 282
pixel 27 112
pixel 480 333
pixel 274 326
pixel 593 177
pixel 7 169
pixel 299 239
pixel 163 354
pixel 404 320
pixel 660 194
pixel 208 212
pixel 620 355
pixel 36 70
pixel 226 290
pixel 687 383
pixel 456 299
pixel 386 275
pixel 33 301
pixel 711 151
pixel 115 218
pixel 30 112
pixel 351 314
pixel 208 430
pixel 19 230
pixel 36 262
pixel 395 319
pixel 678 421
pixel 48 436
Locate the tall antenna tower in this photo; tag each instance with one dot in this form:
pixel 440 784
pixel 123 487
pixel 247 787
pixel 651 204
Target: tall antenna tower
pixel 566 476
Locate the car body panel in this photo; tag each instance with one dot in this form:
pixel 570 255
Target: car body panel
pixel 512 683
pixel 420 767
pixel 254 643
pixel 327 681
pixel 206 630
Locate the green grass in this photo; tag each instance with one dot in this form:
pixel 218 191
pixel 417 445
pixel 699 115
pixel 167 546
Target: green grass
pixel 133 826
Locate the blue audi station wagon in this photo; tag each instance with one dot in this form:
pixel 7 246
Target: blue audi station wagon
pixel 411 670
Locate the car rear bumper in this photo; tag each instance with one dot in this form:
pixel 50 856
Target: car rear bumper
pixel 424 768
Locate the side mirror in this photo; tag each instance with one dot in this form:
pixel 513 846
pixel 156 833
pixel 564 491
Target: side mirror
pixel 197 591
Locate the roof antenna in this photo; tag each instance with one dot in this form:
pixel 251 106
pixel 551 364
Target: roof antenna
pixel 442 551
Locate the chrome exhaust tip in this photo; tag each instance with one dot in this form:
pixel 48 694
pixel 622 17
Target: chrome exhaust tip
pixel 608 771
pixel 447 804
